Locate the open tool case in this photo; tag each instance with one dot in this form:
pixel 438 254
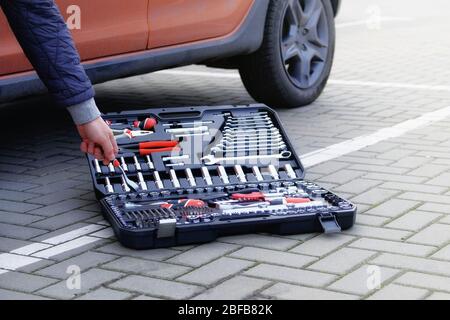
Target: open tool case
pixel 209 172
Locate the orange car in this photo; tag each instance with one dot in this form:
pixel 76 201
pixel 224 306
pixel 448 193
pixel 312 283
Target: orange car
pixel 282 48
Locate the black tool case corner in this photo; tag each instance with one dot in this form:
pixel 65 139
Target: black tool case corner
pixel 258 187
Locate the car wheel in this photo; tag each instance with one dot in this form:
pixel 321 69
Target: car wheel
pixel 294 61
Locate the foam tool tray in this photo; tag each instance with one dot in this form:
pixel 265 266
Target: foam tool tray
pixel 195 173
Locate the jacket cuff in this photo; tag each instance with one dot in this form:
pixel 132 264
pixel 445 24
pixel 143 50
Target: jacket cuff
pixel 84 112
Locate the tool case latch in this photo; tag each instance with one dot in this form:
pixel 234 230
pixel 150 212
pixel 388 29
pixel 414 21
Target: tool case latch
pixel 329 223
pixel 166 228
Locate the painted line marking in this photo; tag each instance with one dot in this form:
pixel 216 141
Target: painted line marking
pixel 375 84
pixel 372 21
pixel 67 246
pixel 31 248
pixel 73 234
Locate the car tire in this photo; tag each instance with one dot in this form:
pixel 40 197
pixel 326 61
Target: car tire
pixel 277 74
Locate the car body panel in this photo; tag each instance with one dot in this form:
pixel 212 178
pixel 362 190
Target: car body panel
pixel 97 35
pixel 181 21
pixel 245 38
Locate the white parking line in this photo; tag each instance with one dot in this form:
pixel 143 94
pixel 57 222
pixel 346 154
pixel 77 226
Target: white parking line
pixel 348 146
pixel 374 84
pixel 77 238
pixel 372 21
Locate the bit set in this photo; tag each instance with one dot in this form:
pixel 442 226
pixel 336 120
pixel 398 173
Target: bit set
pixel 189 175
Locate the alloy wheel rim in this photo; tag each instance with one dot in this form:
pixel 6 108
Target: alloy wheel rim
pixel 304 41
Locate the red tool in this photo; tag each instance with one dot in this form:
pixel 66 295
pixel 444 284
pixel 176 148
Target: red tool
pixel 147 148
pixel 146 124
pixel 259 196
pixel 170 204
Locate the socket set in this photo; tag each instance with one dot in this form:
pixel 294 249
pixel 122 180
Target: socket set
pixel 189 175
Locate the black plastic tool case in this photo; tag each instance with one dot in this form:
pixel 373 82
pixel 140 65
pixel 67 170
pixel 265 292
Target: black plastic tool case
pixel 139 228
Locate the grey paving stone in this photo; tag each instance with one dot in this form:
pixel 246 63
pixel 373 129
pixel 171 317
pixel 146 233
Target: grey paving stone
pixel 359 282
pixel 375 232
pixel 9 244
pixel 145 267
pixel 435 207
pixel 441 180
pixel 203 254
pixel 144 297
pixel 369 220
pixel 425 197
pixel 292 292
pixel 56 186
pixel 425 281
pixel 215 271
pixel 55 177
pixel 413 220
pixel 443 254
pixel 16 195
pixel 439 296
pixel 341 176
pixel 396 292
pixel 62 220
pixel 18 218
pixel 357 186
pixel 322 244
pixel 60 207
pixel 435 234
pixel 393 247
pixel 236 288
pixel 273 257
pixel 342 260
pixel 19 232
pixel 84 261
pixel 394 178
pixel 413 263
pixel 286 274
pixel 392 207
pixel 401 186
pixel 375 196
pixel 15 295
pixel 105 294
pixel 57 197
pixel 19 281
pixel 380 169
pixel 411 162
pixel 13 206
pixel 262 241
pixel 428 170
pixel 16 186
pixel 328 167
pixel 153 254
pixel 445 219
pixel 156 287
pixel 89 280
pixel 396 154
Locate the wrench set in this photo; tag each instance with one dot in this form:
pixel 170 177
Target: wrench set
pixel 188 175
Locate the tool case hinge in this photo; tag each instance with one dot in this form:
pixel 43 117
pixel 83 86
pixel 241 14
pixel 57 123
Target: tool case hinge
pixel 329 223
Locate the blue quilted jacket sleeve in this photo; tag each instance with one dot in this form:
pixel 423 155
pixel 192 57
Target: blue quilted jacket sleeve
pixel 46 41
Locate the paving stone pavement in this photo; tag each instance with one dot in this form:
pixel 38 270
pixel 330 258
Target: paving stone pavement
pixel 50 221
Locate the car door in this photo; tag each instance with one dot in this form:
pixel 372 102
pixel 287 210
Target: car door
pixel 100 28
pixel 182 21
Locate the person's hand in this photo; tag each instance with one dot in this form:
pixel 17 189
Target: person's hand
pixel 98 140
